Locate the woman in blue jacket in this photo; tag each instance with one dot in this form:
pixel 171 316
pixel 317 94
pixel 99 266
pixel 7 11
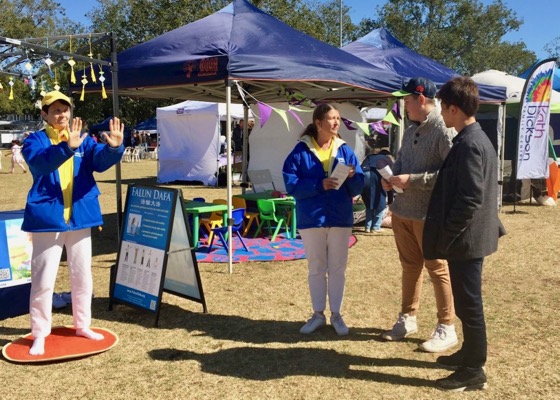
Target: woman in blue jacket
pixel 61 208
pixel 325 214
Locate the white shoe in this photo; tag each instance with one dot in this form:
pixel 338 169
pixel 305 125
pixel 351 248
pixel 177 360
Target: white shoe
pixel 316 321
pixel 405 326
pixel 338 324
pixel 443 338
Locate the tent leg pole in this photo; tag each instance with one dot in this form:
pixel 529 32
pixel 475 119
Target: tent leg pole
pixel 229 174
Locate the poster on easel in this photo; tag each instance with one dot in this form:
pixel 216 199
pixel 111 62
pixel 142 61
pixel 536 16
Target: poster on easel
pixel 15 265
pixel 155 253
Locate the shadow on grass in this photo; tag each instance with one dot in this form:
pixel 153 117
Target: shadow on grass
pixel 258 363
pixel 7 331
pixel 225 327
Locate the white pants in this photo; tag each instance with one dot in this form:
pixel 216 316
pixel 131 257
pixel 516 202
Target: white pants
pixel 327 254
pixel 47 250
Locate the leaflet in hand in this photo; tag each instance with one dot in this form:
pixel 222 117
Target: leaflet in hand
pixel 386 173
pixel 340 172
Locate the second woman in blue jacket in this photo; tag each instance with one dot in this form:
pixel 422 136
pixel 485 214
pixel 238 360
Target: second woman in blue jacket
pixel 325 214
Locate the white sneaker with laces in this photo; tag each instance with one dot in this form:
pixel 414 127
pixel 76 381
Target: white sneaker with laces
pixel 405 326
pixel 338 324
pixel 316 321
pixel 443 338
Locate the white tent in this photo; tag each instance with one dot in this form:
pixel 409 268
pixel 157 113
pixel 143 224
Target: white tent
pixel 189 144
pixel 513 84
pixel 270 145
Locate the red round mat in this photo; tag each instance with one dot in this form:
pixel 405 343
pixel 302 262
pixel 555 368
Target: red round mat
pixel 61 344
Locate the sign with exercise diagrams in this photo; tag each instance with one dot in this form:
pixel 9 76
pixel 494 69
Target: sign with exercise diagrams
pixel 155 253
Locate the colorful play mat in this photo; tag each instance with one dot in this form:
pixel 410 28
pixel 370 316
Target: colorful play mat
pixel 260 249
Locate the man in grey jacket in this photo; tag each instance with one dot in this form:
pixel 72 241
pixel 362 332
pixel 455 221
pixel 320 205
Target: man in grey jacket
pixel 462 226
pixel 425 145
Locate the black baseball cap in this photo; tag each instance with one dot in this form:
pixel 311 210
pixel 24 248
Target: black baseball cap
pixel 418 85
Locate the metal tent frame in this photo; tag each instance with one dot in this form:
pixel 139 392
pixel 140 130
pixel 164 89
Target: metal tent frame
pixel 14 52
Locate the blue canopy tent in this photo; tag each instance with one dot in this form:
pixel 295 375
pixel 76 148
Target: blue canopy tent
pixel 555 80
pixel 271 60
pixel 385 52
pixel 148 125
pixel 242 46
pixel 101 126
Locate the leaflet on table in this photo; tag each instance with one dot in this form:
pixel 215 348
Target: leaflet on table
pixel 340 172
pixel 386 172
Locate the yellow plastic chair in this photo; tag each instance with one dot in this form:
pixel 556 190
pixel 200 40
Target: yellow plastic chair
pixel 215 220
pixel 250 216
pixel 268 214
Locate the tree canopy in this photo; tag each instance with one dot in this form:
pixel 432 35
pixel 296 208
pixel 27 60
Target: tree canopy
pixel 464 35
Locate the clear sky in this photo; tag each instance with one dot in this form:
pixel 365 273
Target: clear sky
pixel 539 28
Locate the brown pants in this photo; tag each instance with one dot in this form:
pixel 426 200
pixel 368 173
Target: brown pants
pixel 408 236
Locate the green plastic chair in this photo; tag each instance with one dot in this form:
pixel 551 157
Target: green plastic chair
pixel 268 214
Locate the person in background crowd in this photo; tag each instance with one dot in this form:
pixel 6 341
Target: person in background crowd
pixel 324 211
pixel 61 208
pixel 373 195
pixel 237 136
pixel 462 226
pixel 17 159
pixel 425 145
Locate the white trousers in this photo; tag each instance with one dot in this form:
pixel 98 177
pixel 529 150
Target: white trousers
pixel 326 250
pixel 47 250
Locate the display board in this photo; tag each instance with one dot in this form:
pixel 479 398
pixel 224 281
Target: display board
pixel 155 252
pixel 15 265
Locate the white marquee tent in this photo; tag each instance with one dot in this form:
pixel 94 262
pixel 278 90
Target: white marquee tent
pixel 270 145
pixel 189 140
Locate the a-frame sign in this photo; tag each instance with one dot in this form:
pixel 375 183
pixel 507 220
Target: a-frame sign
pixel 155 254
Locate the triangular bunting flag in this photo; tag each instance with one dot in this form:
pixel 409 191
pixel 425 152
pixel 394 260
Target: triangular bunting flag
pixel 348 124
pixel 264 111
pixel 378 127
pixel 294 114
pixel 391 118
pixel 284 115
pixel 364 126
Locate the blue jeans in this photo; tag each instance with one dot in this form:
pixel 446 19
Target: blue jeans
pixel 466 283
pixel 374 217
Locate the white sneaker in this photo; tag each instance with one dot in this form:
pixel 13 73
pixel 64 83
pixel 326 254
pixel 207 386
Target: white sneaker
pixel 338 324
pixel 405 326
pixel 443 338
pixel 316 321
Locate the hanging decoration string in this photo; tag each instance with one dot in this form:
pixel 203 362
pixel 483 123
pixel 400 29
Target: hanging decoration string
pixel 265 111
pixel 56 85
pixel 72 63
pixel 48 60
pixel 84 83
pixel 11 83
pixel 30 81
pixel 90 54
pixel 102 80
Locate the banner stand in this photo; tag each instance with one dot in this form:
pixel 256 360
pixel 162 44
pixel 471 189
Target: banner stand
pixel 155 254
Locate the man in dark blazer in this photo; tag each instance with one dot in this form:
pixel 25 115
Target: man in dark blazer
pixel 462 226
